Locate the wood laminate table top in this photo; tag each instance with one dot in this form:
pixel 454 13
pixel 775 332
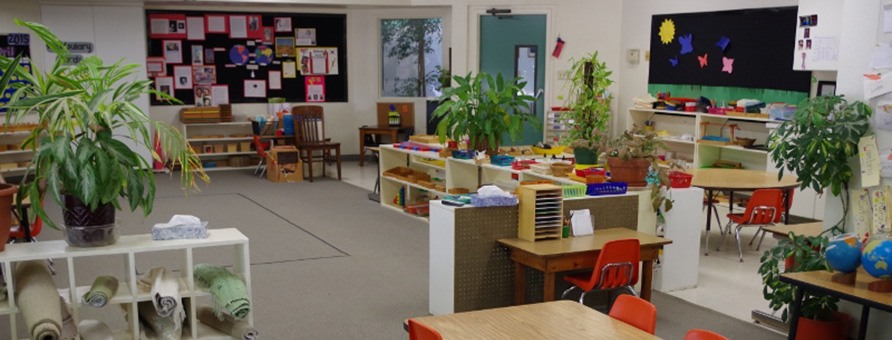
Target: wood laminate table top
pixel 550 320
pixel 822 281
pixel 580 244
pixel 740 179
pixel 804 229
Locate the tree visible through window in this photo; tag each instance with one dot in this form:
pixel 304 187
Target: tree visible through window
pixel 411 57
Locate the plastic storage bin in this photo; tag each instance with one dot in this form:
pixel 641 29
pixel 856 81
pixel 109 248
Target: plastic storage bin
pixel 612 188
pixel 782 113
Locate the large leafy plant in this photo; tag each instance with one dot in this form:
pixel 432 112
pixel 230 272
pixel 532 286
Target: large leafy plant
pixel 484 109
pixel 804 254
pixel 588 102
pixel 81 112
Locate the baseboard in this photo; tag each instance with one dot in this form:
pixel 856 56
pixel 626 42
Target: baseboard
pixel 770 321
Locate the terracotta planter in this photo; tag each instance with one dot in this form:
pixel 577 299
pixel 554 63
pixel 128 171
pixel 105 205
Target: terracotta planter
pixel 824 330
pixel 6 194
pixel 85 227
pixel 633 171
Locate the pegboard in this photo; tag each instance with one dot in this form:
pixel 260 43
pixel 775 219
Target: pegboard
pixel 484 272
pixel 608 211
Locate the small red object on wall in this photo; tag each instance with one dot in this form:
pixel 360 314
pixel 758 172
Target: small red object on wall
pixel 558 47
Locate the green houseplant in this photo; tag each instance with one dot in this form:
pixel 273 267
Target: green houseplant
pixel 81 112
pixel 6 190
pixel 815 146
pixel 484 109
pixel 588 107
pixel 631 156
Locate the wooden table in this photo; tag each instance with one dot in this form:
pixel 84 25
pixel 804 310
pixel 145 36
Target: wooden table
pixel 820 282
pixel 550 320
pixel 804 229
pixel 714 180
pixel 553 256
pixel 378 130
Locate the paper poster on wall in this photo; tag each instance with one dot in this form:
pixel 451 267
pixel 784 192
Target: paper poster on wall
pixel 879 198
pixel 869 157
pixel 883 115
pixel 255 88
pixel 305 36
pixel 203 95
pixel 155 67
pixel 318 60
pixel 315 88
pixel 268 35
pixel 861 210
pixel 163 85
pixel 238 27
pixel 167 26
pixel 195 28
pixel 282 24
pixel 197 55
pixel 204 74
pixel 209 56
pixel 289 69
pixel 263 55
pixel 254 28
pixel 239 54
pixel 173 51
pixel 876 85
pixel 216 23
pixel 284 47
pixel 182 77
pixel 886 164
pixel 275 80
pixel 219 94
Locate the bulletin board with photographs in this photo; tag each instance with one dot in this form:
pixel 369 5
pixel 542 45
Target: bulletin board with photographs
pixel 213 58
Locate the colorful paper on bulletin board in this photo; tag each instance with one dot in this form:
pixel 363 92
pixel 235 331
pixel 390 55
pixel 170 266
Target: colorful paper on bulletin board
pixel 315 88
pixel 879 198
pixel 10 46
pixel 861 210
pixel 870 161
pixel 318 60
pixel 167 26
pixel 883 115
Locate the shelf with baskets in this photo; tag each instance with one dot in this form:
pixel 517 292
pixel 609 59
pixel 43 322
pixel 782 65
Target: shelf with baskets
pixel 130 252
pixel 222 146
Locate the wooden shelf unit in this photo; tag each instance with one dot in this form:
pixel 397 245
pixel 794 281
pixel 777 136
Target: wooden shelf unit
pixel 130 248
pixel 14 160
pixel 541 214
pixel 222 141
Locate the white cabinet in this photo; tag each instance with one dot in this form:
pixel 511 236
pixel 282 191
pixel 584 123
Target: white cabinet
pixel 222 146
pixel 129 249
pixel 681 259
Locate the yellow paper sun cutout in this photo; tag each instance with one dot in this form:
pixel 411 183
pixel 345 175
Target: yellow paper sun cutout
pixel 667 31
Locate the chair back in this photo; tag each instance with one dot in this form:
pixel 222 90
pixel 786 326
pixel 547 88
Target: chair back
pixel 764 207
pixel 419 331
pixel 636 312
pixel 309 124
pixel 17 232
pixel 616 266
pixel 258 145
pixel 702 334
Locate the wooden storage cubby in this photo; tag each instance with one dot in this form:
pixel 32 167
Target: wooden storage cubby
pixel 219 142
pixel 541 212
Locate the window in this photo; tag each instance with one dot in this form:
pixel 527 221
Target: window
pixel 411 60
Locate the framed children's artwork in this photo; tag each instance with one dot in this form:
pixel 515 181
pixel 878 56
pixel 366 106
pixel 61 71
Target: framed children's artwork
pixel 197 55
pixel 305 36
pixel 163 85
pixel 167 26
pixel 155 67
pixel 216 23
pixel 182 77
pixel 267 36
pixel 282 24
pixel 284 46
pixel 255 88
pixel 173 51
pixel 204 74
pixel 203 95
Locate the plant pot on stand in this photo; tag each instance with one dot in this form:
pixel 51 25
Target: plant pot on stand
pixel 6 197
pixel 632 171
pixel 85 227
pixel 837 328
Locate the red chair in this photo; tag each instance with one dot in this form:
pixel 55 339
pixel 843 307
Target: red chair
pixel 763 209
pixel 616 267
pixel 261 151
pixel 636 312
pixel 702 334
pixel 419 331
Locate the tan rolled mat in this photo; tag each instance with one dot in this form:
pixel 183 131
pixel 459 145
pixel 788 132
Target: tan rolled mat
pixel 165 328
pixel 38 300
pixel 238 329
pixel 94 330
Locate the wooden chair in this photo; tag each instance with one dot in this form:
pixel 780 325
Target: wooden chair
pixel 309 131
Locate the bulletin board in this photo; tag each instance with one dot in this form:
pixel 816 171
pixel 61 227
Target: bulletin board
pixel 742 48
pixel 12 45
pixel 212 58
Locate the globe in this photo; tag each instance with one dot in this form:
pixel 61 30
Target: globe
pixel 238 54
pixel 877 257
pixel 843 253
pixel 263 55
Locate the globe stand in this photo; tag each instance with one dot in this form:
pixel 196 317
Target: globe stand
pixel 844 278
pixel 880 286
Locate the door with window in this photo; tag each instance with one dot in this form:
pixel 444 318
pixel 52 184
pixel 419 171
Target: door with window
pixel 514 45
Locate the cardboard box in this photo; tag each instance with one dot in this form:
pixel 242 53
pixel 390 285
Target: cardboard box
pixel 231 147
pixel 245 147
pixel 292 173
pixel 218 148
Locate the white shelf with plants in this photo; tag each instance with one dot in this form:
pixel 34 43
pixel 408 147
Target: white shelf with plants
pixel 222 146
pixel 128 250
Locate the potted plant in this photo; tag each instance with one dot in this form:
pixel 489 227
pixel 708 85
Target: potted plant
pixel 632 158
pixel 81 112
pixel 816 146
pixel 6 190
pixel 588 107
pixel 484 109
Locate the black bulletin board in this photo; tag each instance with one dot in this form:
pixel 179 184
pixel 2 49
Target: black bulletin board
pixel 759 41
pixel 331 31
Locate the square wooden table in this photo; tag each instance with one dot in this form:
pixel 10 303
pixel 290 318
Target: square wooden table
pixel 549 320
pixel 553 256
pixel 378 130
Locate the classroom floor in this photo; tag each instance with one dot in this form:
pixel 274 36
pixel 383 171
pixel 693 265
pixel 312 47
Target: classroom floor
pixel 724 284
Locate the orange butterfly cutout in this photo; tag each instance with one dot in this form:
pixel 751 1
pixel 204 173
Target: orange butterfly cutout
pixel 702 60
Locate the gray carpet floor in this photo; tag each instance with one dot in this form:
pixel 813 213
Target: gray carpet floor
pixel 327 263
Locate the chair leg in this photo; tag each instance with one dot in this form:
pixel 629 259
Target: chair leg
pixel 258 166
pixel 564 294
pixel 725 231
pixel 582 298
pixel 755 235
pixel 761 238
pixel 632 290
pixel 739 248
pixel 338 155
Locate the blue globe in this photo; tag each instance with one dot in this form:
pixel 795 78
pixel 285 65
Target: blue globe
pixel 843 253
pixel 877 258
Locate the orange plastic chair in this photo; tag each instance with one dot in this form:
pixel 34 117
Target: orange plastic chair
pixel 261 151
pixel 763 209
pixel 702 334
pixel 419 331
pixel 635 311
pixel 616 267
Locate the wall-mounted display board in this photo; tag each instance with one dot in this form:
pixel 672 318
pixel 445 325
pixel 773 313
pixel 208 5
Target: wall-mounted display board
pixel 750 48
pixel 12 45
pixel 236 57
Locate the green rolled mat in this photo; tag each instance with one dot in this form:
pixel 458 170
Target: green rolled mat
pixel 38 300
pixel 228 290
pixel 238 329
pixel 103 289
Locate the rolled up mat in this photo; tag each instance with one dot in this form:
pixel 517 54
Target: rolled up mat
pixel 104 287
pixel 165 289
pixel 165 328
pixel 69 326
pixel 2 293
pixel 38 300
pixel 94 330
pixel 238 329
pixel 228 290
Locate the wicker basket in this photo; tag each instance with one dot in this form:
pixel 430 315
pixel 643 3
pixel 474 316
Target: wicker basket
pixel 561 169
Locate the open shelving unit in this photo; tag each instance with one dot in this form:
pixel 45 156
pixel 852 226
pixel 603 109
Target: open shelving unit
pixel 129 248
pixel 229 143
pixel 13 160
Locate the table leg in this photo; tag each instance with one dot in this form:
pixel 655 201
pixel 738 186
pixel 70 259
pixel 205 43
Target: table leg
pixel 520 284
pixel 730 202
pixel 338 153
pixel 865 314
pixel 647 274
pixel 794 313
pixel 708 211
pixel 393 136
pixel 361 147
pixel 548 287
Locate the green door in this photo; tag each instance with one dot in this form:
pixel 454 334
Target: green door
pixel 513 45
